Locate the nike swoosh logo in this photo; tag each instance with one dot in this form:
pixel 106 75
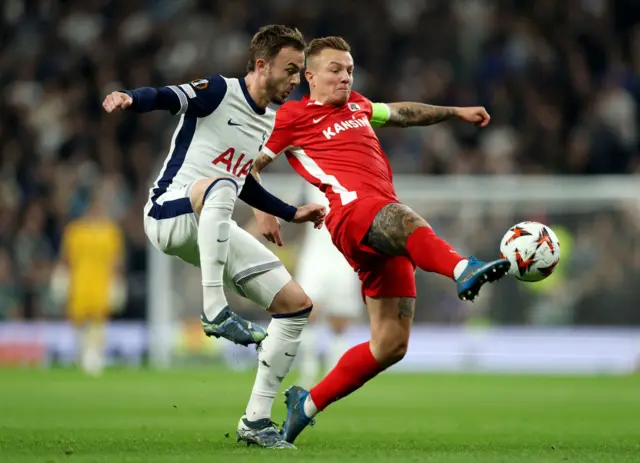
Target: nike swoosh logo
pixel 315 121
pixel 230 122
pixel 289 355
pixel 222 241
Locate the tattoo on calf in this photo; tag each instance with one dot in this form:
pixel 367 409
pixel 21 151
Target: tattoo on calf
pixel 391 228
pixel 406 308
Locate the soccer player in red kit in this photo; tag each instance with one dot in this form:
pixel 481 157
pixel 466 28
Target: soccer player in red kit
pixel 328 139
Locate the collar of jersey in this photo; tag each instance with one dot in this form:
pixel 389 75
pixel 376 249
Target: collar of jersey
pixel 257 109
pixel 314 102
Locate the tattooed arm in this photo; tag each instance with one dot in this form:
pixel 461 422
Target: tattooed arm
pixel 259 164
pixel 409 114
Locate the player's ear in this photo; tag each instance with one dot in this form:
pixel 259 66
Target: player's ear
pixel 308 75
pixel 261 65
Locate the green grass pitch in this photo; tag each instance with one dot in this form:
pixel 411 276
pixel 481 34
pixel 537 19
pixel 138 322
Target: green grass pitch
pixel 143 416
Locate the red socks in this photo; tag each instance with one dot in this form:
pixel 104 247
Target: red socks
pixel 431 253
pixel 356 367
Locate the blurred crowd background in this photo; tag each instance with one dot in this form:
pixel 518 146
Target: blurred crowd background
pixel 560 79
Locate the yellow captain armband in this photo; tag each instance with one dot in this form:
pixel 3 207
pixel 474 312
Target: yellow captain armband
pixel 380 114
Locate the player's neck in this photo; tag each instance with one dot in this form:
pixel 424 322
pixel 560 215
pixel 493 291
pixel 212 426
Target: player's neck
pixel 318 98
pixel 258 93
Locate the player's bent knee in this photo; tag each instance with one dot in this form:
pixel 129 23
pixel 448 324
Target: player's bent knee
pixel 202 189
pixel 388 350
pixel 390 328
pixel 290 299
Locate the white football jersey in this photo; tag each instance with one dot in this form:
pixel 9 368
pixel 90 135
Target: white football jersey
pixel 220 133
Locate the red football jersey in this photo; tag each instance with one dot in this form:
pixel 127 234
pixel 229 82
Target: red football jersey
pixel 335 149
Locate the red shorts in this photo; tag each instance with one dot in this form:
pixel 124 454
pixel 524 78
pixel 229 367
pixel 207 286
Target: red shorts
pixel 381 275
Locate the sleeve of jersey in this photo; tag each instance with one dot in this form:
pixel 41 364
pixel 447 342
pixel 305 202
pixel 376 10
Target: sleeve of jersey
pixel 256 196
pixel 281 137
pixel 197 98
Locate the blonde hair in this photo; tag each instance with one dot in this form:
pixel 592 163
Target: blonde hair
pixel 316 46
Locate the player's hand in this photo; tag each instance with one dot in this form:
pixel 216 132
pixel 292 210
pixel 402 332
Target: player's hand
pixel 269 227
pixel 311 213
pixel 477 115
pixel 115 100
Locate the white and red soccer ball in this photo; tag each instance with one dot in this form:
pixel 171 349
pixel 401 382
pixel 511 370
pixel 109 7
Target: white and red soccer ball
pixel 532 249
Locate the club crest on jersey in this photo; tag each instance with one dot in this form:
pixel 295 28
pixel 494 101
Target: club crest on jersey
pixel 200 84
pixel 354 106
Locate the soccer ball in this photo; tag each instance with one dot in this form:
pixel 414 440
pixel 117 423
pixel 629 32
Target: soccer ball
pixel 532 249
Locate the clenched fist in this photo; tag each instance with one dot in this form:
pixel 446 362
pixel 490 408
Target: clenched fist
pixel 115 100
pixel 477 115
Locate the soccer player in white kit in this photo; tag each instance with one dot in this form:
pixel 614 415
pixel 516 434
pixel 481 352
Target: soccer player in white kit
pixel 329 280
pixel 223 126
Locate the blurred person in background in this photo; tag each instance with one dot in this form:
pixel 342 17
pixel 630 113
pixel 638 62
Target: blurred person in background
pixel 89 278
pixel 333 287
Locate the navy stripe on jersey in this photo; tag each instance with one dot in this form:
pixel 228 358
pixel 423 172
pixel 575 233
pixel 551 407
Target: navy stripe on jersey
pixel 170 209
pixel 257 109
pixel 179 153
pixel 212 184
pixel 203 98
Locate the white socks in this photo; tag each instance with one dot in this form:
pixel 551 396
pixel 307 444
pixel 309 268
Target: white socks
pixel 213 241
pixel 310 408
pixel 459 268
pixel 275 356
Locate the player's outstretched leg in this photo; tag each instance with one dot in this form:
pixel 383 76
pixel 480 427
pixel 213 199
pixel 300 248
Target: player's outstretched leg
pixel 391 320
pixel 398 230
pixel 214 200
pixel 290 312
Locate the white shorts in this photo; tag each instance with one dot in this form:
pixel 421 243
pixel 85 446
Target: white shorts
pixel 326 276
pixel 252 270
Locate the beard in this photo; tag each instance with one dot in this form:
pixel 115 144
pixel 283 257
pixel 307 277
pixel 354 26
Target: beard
pixel 273 90
pixel 278 99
